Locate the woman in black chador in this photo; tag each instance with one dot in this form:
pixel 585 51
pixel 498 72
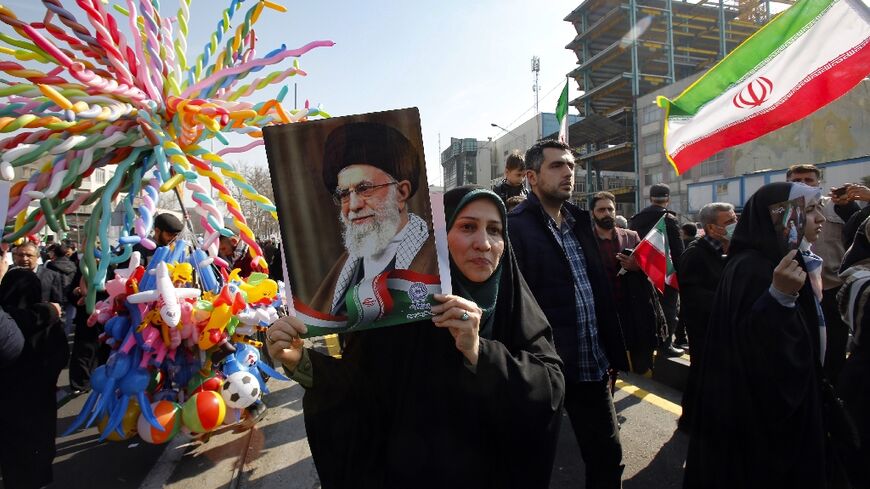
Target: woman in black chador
pixel 28 413
pixel 853 386
pixel 759 421
pixel 468 400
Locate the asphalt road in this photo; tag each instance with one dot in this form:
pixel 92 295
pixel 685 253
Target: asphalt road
pixel 275 453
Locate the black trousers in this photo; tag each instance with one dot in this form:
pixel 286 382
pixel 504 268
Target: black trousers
pixel 593 417
pixel 838 336
pixel 87 352
pixel 698 338
pixel 669 307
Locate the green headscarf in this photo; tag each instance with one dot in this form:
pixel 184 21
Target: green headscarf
pixel 484 294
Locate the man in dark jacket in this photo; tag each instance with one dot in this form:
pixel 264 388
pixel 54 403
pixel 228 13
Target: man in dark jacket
pixel 642 222
pixel 26 256
pixel 558 256
pixel 65 267
pixel 640 314
pixel 698 274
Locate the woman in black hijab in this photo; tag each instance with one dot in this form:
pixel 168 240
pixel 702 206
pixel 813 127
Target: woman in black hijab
pixel 759 421
pixel 853 386
pixel 28 413
pixel 470 399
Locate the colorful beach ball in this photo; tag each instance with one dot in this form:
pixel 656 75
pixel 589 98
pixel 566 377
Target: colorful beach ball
pixel 168 415
pixel 204 411
pixel 128 423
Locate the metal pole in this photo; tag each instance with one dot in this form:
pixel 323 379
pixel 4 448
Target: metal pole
pixel 635 92
pixel 722 46
pixel 671 70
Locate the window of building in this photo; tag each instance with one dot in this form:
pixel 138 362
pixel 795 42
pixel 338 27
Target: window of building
pixel 653 178
pixel 652 145
pixel 652 114
pixel 715 165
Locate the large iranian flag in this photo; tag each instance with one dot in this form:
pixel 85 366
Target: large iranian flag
pixel 803 59
pixel 653 255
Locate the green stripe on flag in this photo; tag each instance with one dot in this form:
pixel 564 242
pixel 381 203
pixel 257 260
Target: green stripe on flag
pixel 562 105
pixel 747 57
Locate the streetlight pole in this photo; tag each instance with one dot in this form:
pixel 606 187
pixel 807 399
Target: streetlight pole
pixel 493 124
pixel 536 69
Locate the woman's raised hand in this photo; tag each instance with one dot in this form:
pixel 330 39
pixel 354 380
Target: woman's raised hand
pixel 283 342
pixel 788 276
pixel 462 318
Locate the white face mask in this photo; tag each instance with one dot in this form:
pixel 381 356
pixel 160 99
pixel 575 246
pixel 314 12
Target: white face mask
pixel 729 230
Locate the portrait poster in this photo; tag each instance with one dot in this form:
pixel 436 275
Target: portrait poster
pixel 355 219
pixel 788 222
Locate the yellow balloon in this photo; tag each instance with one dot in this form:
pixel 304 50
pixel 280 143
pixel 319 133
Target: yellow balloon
pixel 128 423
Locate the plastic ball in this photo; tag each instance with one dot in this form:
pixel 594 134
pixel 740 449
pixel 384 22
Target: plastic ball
pixel 168 416
pixel 129 423
pixel 241 389
pixel 204 382
pixel 204 411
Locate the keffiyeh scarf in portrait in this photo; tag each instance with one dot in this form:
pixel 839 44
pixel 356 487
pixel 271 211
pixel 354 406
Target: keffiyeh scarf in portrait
pixel 396 246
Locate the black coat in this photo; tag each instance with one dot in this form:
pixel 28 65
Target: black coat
pixel 51 282
pixel 758 419
pixel 67 271
pixel 28 413
pixel 401 409
pixel 548 273
pixel 700 269
pixel 853 385
pixel 646 219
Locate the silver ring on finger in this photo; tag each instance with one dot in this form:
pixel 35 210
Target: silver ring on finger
pixel 464 316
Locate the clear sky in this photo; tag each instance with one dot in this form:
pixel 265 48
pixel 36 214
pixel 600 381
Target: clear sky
pixel 465 64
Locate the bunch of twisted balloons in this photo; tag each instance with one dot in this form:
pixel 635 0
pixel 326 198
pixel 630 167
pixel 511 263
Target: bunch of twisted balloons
pixel 78 93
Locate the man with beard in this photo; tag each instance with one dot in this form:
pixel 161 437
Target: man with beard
pixel 637 304
pixel 372 171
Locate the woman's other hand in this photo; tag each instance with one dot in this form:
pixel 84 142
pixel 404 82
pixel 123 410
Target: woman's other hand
pixel 462 318
pixel 283 342
pixel 788 276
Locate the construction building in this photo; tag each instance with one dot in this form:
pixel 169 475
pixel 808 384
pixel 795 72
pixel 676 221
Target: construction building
pixel 674 39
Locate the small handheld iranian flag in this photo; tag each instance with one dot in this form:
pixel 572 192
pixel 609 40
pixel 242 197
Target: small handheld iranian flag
pixel 562 114
pixel 653 255
pixel 803 59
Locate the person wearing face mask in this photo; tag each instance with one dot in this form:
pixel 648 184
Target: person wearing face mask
pixel 640 314
pixel 763 413
pixel 699 271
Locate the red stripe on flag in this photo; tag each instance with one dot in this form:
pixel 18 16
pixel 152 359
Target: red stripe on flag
pixel 308 311
pixel 413 276
pixel 815 94
pixel 653 263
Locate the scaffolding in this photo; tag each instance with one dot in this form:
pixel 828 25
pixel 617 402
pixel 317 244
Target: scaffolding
pixel 628 48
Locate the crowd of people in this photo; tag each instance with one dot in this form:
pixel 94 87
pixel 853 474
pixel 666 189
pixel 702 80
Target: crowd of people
pixel 548 306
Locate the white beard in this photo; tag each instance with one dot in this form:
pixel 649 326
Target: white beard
pixel 372 238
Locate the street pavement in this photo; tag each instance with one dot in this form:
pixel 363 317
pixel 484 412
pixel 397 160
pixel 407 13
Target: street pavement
pixel 275 453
